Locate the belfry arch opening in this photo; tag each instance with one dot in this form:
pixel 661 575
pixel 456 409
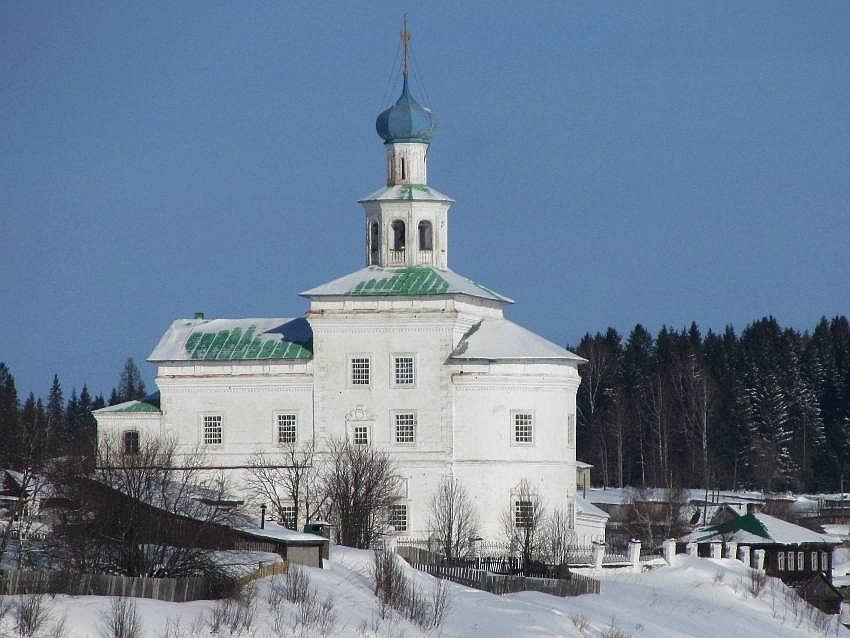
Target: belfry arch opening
pixel 426 235
pixel 398 234
pixel 374 243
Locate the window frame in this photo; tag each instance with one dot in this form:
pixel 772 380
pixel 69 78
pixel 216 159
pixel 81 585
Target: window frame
pixel 395 507
pixel 277 416
pixel 513 428
pixel 203 416
pixel 525 506
pixel 138 443
pixel 394 416
pixel 284 519
pixel 394 357
pixel 801 561
pixel 349 371
pixel 366 429
pixel 781 561
pixel 814 560
pixel 791 561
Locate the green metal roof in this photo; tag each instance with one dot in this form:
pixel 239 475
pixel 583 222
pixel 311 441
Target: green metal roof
pixel 149 404
pixel 408 281
pixel 235 340
pixel 416 280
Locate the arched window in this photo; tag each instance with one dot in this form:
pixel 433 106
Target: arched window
pixel 426 236
pixel 374 243
pixel 398 235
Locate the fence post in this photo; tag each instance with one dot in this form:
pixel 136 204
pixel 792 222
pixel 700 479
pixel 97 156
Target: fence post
pixel 731 549
pixel 716 549
pixel 634 554
pixel 744 555
pixel 759 559
pixel 692 549
pixel 598 553
pixel 668 547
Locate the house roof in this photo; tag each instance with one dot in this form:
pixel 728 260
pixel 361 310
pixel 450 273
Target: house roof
pixel 409 281
pixel 758 529
pixel 235 340
pixel 149 404
pixel 586 508
pixel 276 531
pixel 495 339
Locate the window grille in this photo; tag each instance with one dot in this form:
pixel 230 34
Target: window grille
pixel 790 561
pixel 523 427
pixel 289 516
pixel 801 561
pixel 523 513
pixel 814 561
pixel 398 517
pixel 131 443
pixel 286 428
pixel 360 371
pixel 212 430
pixel 404 371
pixel 361 435
pixel 405 427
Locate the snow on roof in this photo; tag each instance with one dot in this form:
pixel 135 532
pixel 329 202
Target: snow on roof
pixel 235 339
pixel 279 532
pixel 582 465
pixel 758 529
pixel 374 281
pixel 586 508
pixel 494 339
pixel 407 192
pixel 615 495
pixel 149 404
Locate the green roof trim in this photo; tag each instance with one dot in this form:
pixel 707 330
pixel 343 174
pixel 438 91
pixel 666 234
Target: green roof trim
pixel 236 345
pixel 415 280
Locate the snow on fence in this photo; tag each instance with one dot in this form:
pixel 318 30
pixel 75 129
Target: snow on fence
pixel 175 590
pixel 575 585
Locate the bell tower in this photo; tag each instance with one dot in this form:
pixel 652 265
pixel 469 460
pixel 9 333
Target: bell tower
pixel 406 222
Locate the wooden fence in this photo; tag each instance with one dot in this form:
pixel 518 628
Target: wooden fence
pixel 272 569
pixel 575 585
pixel 175 590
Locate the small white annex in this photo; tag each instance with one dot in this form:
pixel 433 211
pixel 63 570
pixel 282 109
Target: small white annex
pixel 403 354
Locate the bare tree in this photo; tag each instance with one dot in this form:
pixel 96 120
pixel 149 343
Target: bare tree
pixel 452 518
pixel 288 479
pixel 523 522
pixel 558 538
pixel 146 512
pixel 360 483
pixel 654 517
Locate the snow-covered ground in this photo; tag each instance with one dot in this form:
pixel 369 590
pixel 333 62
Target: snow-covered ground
pixel 694 597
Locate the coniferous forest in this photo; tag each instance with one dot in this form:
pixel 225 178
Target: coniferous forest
pixel 767 409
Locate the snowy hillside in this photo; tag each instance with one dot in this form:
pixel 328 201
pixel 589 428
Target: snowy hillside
pixel 695 597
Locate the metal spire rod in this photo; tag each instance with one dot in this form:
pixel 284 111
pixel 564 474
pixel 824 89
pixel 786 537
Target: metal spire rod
pixel 405 39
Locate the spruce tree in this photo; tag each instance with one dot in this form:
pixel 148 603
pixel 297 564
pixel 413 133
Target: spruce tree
pixel 56 417
pixel 9 418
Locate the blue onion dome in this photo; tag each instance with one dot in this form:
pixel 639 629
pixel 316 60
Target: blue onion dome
pixel 406 120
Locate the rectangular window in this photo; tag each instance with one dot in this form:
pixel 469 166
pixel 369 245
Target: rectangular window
pixel 571 515
pixel 360 371
pixel 790 561
pixel 523 512
pixel 523 428
pixel 405 427
pixel 213 429
pixel 398 517
pixel 824 562
pixel 781 557
pixel 404 370
pixel 131 442
pixel 571 429
pixel 801 561
pixel 288 517
pixel 286 428
pixel 361 435
pixel 814 561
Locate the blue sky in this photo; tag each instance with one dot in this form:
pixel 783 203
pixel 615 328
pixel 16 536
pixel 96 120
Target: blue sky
pixel 612 163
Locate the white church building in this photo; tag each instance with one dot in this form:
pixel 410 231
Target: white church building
pixel 403 354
